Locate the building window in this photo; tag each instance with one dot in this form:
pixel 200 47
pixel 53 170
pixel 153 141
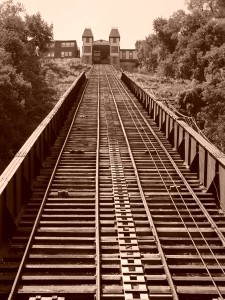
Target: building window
pixel 114 49
pixel 62 54
pixel 124 54
pixel 66 53
pixel 114 40
pixel 131 54
pixel 87 40
pixel 87 59
pixel 87 49
pixel 70 54
pixel 51 54
pixel 114 60
pixel 68 44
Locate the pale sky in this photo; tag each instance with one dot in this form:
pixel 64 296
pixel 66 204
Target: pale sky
pixel 133 18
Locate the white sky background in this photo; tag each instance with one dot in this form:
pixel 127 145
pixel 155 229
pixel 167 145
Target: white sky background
pixel 133 18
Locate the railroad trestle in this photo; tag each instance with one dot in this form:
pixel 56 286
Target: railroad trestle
pixel 119 203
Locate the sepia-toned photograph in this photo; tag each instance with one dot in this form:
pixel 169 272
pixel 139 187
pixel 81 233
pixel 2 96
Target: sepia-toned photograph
pixel 112 150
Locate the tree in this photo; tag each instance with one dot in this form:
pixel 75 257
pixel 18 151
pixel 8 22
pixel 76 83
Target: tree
pixel 164 34
pixel 25 96
pixel 192 22
pixel 147 52
pixel 190 55
pixel 39 31
pixel 215 7
pixel 14 91
pixel 215 63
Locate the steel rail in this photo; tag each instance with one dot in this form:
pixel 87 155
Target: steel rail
pixel 170 178
pixel 152 225
pixel 121 209
pixel 213 224
pixel 97 222
pixel 26 252
pixel 175 184
pixel 195 246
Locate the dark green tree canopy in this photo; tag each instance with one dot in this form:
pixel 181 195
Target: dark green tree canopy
pixel 24 94
pixel 191 46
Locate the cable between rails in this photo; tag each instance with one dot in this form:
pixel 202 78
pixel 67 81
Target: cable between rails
pixel 97 219
pixel 195 246
pixel 152 225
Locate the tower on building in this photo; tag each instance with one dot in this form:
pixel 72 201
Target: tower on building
pixel 114 42
pixel 108 52
pixel 87 39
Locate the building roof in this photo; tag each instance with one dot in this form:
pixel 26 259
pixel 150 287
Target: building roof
pixel 114 33
pixel 87 33
pixel 101 42
pixel 128 49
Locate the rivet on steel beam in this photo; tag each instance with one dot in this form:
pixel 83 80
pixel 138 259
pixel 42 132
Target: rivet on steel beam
pixel 150 151
pixel 80 151
pixel 73 151
pixel 174 188
pixel 63 193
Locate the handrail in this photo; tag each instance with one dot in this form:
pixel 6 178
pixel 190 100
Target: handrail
pixel 198 154
pixel 16 181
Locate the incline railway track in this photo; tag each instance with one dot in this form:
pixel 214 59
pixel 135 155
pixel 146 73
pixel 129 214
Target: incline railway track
pixel 121 216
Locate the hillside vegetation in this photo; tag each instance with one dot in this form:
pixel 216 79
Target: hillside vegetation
pixel 187 53
pixel 29 87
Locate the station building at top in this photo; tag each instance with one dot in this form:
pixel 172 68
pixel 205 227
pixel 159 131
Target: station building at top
pixel 107 52
pixel 59 49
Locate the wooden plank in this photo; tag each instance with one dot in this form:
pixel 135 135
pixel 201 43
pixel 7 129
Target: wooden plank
pixel 45 277
pixel 221 185
pixel 193 152
pixel 57 289
pixel 202 154
pixel 184 256
pixel 186 147
pixel 193 279
pixel 60 266
pixel 175 137
pixel 194 268
pixel 211 170
pixel 203 290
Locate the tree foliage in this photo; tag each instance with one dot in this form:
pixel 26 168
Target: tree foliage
pixel 192 46
pixel 25 97
pixel 39 30
pixel 216 8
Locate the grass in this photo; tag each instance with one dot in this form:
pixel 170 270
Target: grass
pixel 162 87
